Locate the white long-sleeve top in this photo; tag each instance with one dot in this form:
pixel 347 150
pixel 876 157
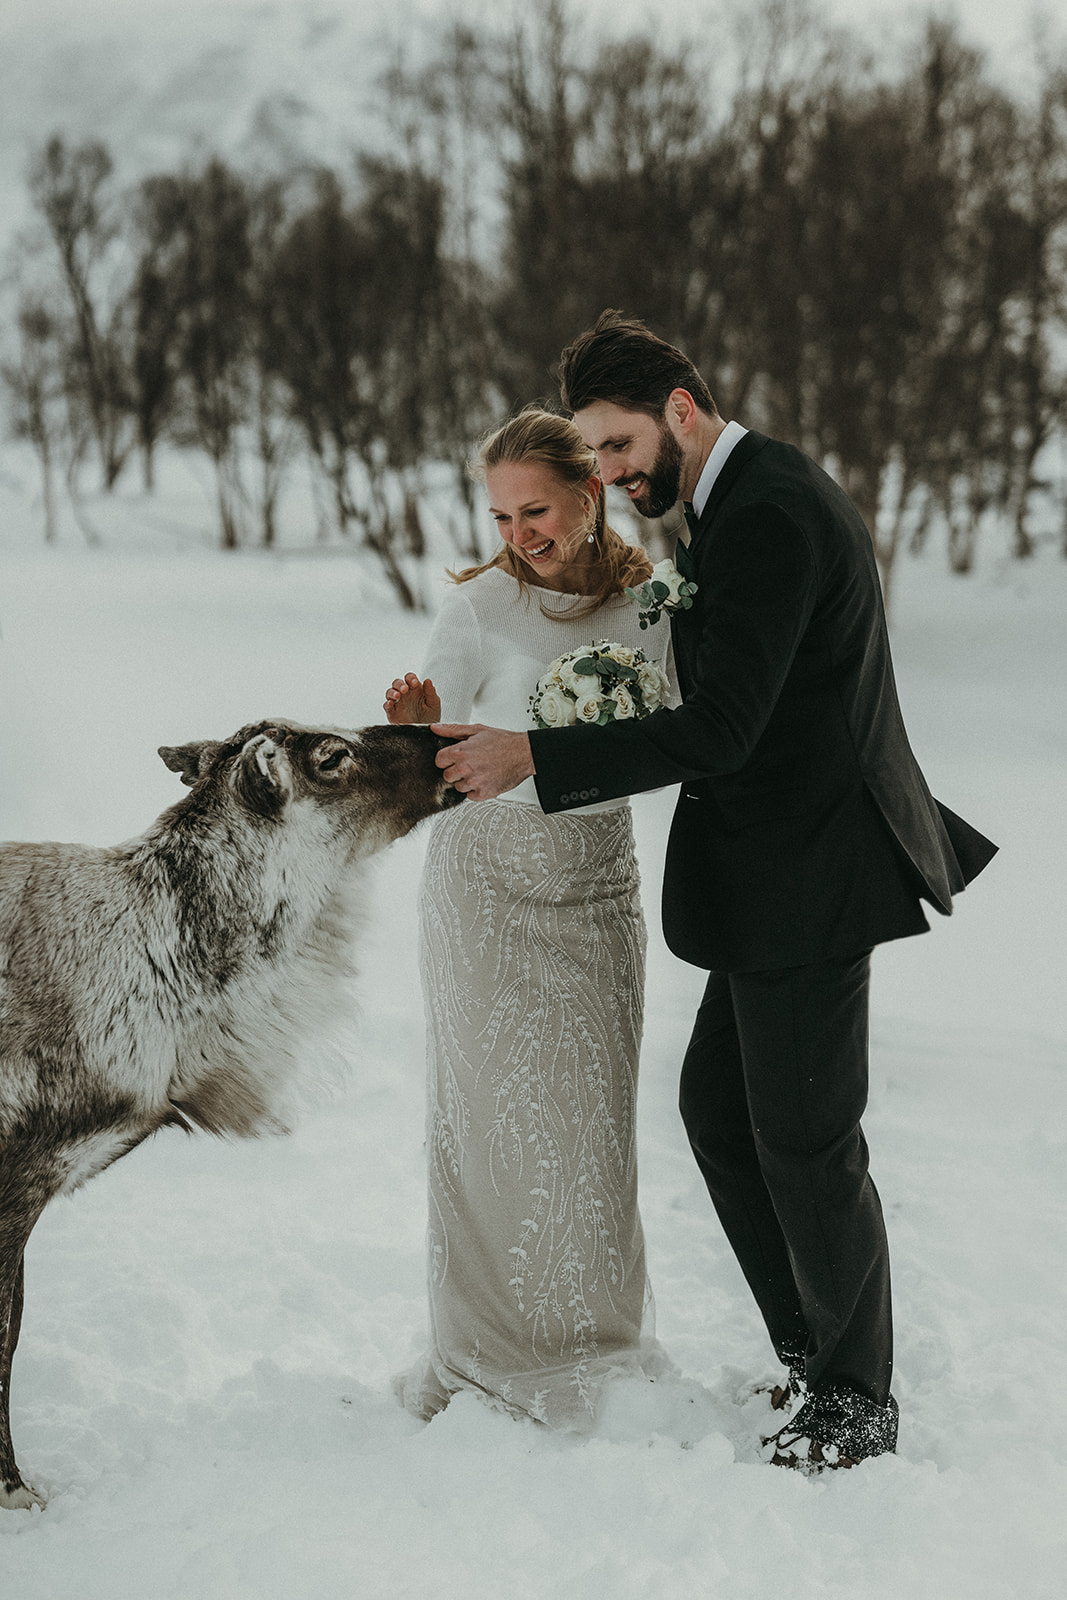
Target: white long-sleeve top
pixel 491 642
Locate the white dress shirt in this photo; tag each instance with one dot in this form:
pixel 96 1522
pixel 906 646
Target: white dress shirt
pixel 729 436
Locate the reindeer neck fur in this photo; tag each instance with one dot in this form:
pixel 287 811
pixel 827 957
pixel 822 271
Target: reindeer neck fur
pixel 260 926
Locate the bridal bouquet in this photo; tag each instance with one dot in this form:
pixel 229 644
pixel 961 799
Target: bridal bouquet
pixel 601 683
pixel 665 591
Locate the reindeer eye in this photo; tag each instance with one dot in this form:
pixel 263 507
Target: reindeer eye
pixel 331 762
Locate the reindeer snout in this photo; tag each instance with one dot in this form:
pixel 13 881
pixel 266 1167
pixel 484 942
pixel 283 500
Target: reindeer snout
pixel 421 734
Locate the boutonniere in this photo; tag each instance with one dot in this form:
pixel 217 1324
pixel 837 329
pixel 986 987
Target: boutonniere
pixel 665 591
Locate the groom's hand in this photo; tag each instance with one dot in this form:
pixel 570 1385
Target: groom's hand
pixel 486 761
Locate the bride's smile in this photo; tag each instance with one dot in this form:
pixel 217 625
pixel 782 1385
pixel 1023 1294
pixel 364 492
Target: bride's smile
pixel 543 520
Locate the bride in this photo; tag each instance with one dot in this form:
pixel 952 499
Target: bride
pixel 532 946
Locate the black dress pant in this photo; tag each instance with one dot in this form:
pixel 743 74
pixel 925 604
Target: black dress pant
pixel 773 1087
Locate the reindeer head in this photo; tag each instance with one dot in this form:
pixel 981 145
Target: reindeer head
pixel 374 784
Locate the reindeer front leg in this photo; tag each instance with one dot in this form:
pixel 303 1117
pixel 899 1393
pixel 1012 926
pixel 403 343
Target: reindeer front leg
pixel 14 1494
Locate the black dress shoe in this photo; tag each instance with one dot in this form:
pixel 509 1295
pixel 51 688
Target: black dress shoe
pixel 834 1428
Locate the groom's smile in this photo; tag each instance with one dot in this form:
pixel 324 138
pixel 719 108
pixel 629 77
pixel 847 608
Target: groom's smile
pixel 638 454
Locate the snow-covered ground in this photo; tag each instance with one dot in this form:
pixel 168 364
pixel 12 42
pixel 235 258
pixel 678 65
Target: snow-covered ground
pixel 202 1385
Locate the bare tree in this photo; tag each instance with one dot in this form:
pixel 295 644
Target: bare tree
pixel 69 187
pixel 1041 329
pixel 439 117
pixel 362 293
pixel 35 385
pixel 547 289
pixel 970 366
pixel 273 429
pixel 319 269
pixel 154 311
pixel 202 232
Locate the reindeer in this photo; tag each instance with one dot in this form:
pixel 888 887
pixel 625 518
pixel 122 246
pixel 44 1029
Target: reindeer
pixel 179 979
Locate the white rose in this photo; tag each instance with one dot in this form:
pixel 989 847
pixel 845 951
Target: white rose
pixel 666 572
pixel 587 706
pixel 577 682
pixel 621 652
pixel 555 709
pixel 655 686
pixel 624 702
pixel 557 673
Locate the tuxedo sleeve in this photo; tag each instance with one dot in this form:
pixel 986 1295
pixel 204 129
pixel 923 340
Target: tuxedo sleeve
pixel 760 582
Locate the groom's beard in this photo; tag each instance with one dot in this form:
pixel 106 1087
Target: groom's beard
pixel 663 480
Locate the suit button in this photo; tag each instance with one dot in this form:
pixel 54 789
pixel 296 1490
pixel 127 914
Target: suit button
pixel 593 793
pixel 584 795
pixel 563 799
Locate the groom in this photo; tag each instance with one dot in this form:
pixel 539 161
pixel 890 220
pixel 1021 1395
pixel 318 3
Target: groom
pixel 804 835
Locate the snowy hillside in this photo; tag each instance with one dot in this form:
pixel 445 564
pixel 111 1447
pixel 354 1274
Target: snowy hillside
pixel 202 1385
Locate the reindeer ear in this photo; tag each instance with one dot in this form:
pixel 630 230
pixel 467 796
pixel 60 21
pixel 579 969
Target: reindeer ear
pixel 263 777
pixel 191 760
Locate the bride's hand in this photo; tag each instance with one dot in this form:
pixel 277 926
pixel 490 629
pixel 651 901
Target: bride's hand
pixel 410 700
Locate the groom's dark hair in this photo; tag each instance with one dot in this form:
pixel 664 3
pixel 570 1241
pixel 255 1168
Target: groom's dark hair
pixel 623 362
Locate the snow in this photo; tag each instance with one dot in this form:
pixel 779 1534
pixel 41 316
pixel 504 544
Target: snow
pixel 202 1387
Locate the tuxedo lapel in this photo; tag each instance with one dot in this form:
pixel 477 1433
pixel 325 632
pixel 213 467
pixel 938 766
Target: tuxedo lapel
pixel 686 625
pixel 739 457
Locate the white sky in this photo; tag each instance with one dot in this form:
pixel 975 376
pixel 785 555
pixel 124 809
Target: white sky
pixel 997 25
pixel 1006 31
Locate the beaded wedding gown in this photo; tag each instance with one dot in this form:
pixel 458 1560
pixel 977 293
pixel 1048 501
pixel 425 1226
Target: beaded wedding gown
pixel 532 947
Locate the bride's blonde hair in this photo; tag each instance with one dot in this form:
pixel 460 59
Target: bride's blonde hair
pixel 542 437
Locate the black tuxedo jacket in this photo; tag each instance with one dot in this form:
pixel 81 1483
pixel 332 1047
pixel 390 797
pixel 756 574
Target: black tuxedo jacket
pixel 804 828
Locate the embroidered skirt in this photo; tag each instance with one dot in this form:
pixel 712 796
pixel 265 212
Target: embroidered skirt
pixel 532 949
